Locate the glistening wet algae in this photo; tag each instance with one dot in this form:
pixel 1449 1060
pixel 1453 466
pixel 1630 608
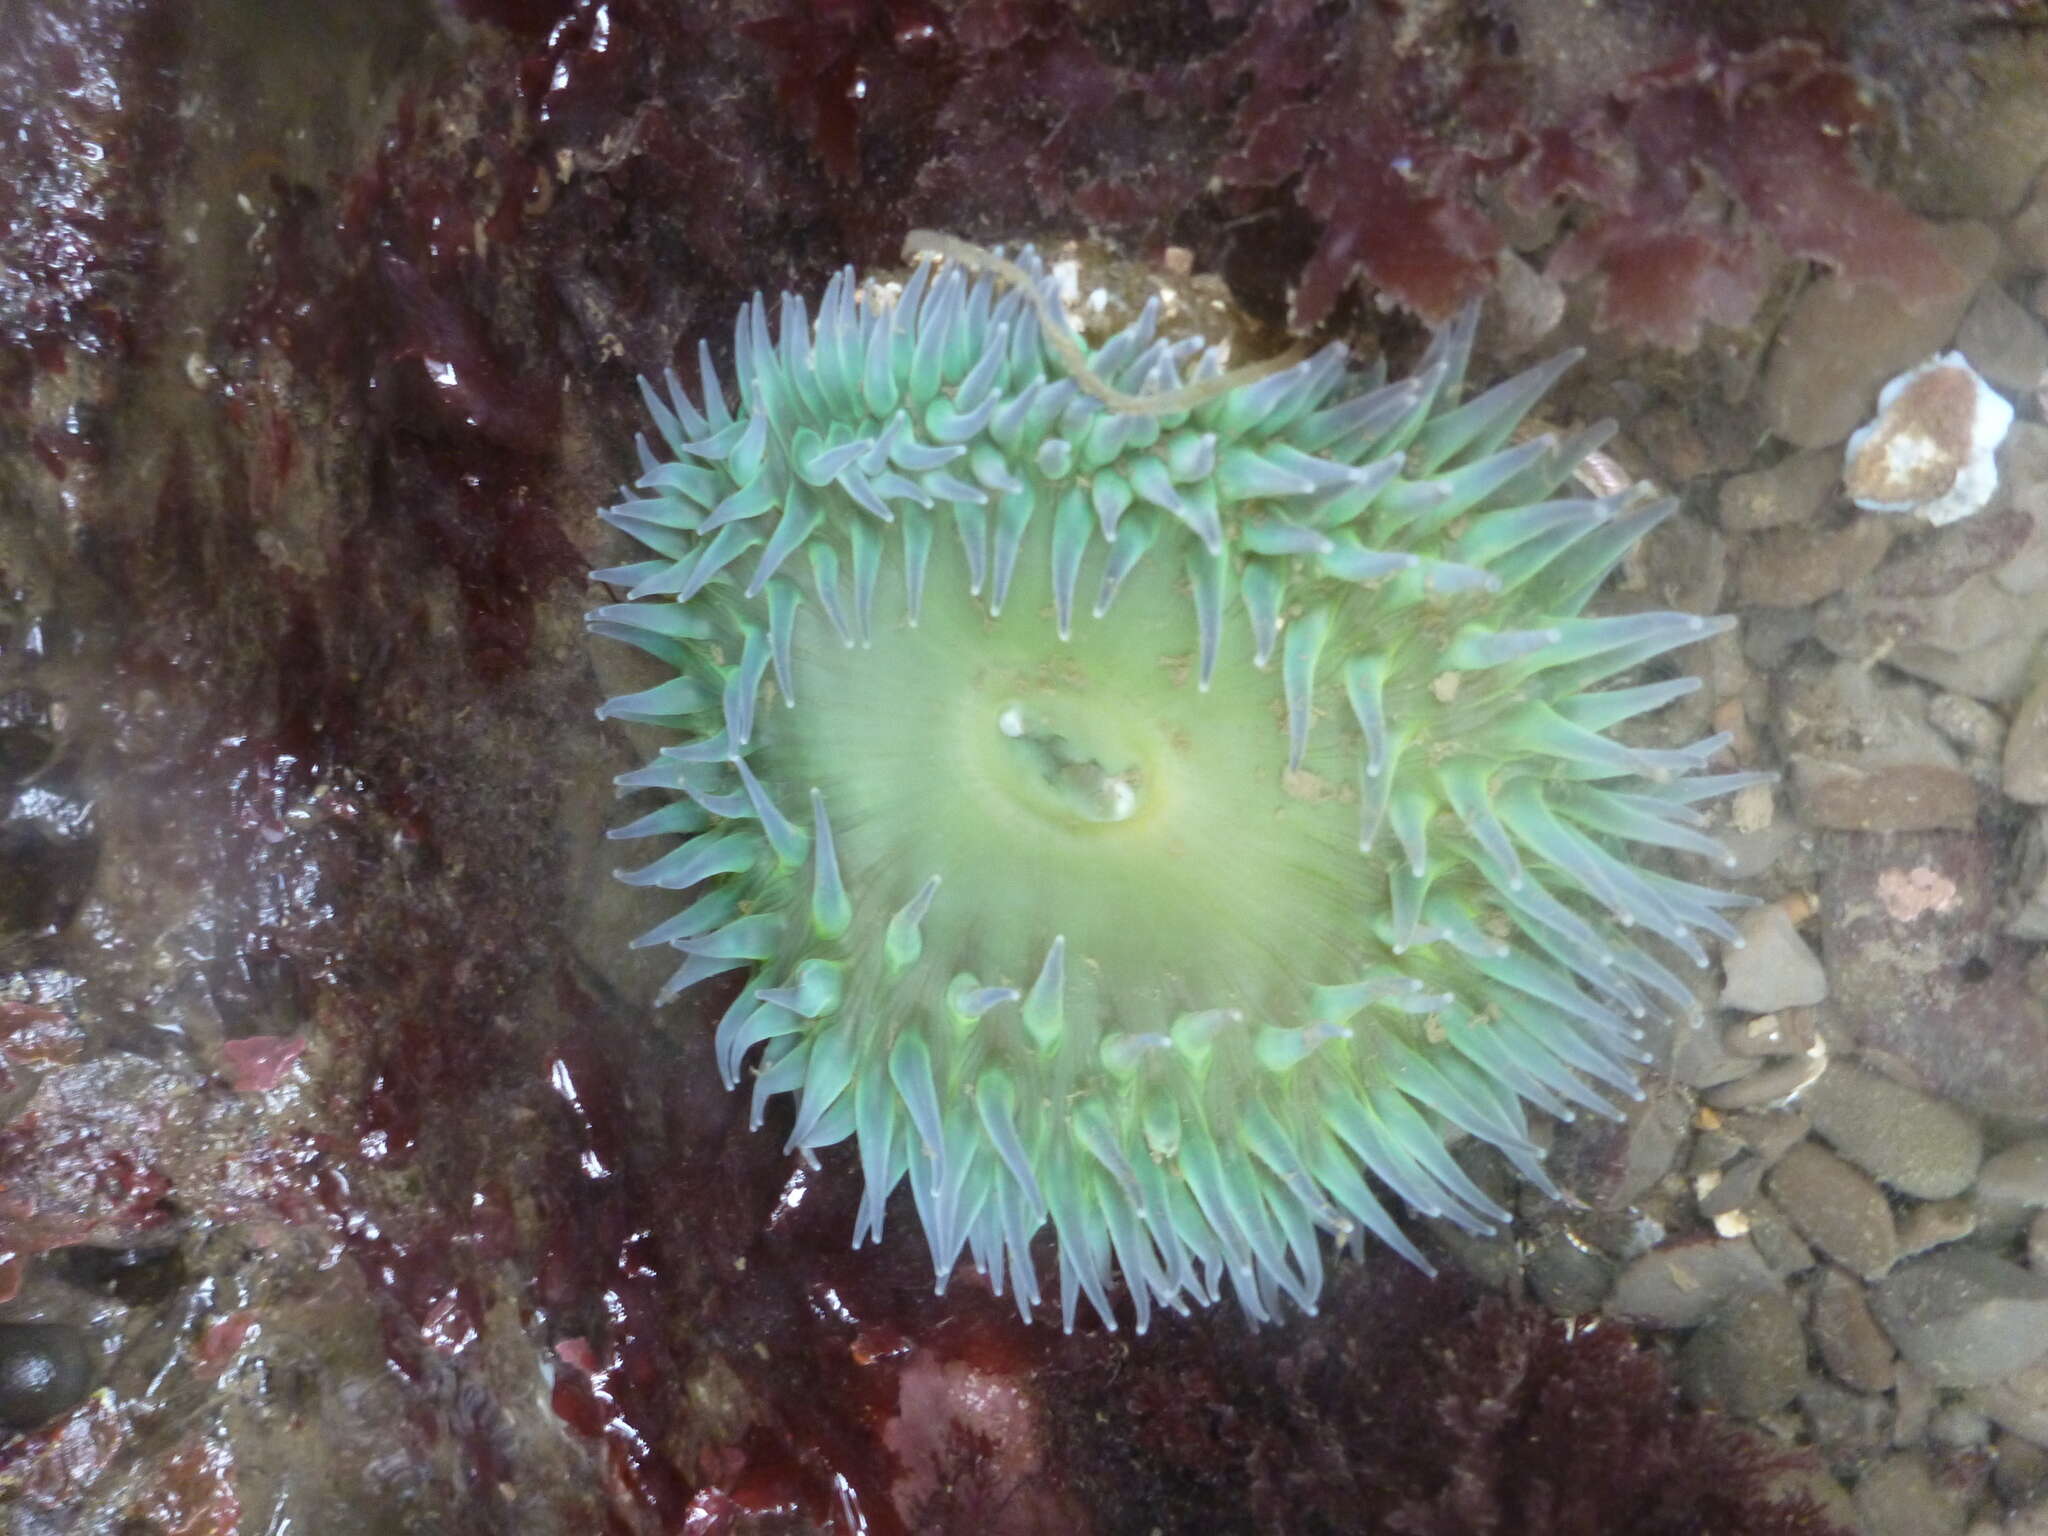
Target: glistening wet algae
pixel 1159 809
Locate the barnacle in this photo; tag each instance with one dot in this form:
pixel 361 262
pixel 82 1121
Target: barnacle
pixel 1168 824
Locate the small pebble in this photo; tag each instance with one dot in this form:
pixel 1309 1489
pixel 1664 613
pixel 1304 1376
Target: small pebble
pixel 1756 852
pixel 1749 1358
pixel 1567 1276
pixel 1731 1188
pixel 1770 1133
pixel 1788 1032
pixel 1959 1427
pixel 1794 490
pixel 2020 1475
pixel 1777 1240
pixel 1854 1347
pixel 1876 796
pixel 1773 1085
pixel 1974 727
pixel 1836 1207
pixel 1899 1496
pixel 2003 341
pixel 2019 1403
pixel 1935 1223
pixel 1913 1400
pixel 1771 635
pixel 1676 449
pixel 1853 1426
pixel 1964 1317
pixel 1713 1147
pixel 2030 922
pixel 1908 1139
pixel 1794 567
pixel 1700 1059
pixel 2016 1178
pixel 2025 767
pixel 1682 1284
pixel 1775 968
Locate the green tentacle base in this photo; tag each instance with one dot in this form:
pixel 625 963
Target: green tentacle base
pixel 1166 825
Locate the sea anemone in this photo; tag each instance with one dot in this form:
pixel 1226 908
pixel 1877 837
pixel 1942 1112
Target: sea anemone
pixel 1165 809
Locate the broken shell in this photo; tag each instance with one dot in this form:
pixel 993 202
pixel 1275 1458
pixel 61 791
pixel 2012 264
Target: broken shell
pixel 1930 448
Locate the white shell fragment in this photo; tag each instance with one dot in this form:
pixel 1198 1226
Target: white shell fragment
pixel 1931 447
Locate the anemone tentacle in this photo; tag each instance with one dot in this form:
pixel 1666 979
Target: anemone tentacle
pixel 1163 823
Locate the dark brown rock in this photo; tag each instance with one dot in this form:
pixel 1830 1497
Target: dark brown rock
pixel 1934 562
pixel 1792 567
pixel 1836 1207
pixel 1894 1132
pixel 1683 1283
pixel 1934 1224
pixel 1921 977
pixel 1854 1347
pixel 1729 1189
pixel 1749 1358
pixel 1882 797
pixel 1794 490
pixel 1964 1317
pixel 1777 1240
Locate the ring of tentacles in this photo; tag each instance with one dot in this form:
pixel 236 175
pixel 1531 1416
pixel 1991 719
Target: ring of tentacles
pixel 1146 801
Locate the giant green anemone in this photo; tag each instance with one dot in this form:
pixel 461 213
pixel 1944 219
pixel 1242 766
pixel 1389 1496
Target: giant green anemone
pixel 1165 810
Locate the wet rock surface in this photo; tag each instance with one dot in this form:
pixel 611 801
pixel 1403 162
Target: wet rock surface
pixel 45 1369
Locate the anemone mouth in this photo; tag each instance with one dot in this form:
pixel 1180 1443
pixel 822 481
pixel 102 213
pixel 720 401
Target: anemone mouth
pixel 1165 826
pixel 1083 787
